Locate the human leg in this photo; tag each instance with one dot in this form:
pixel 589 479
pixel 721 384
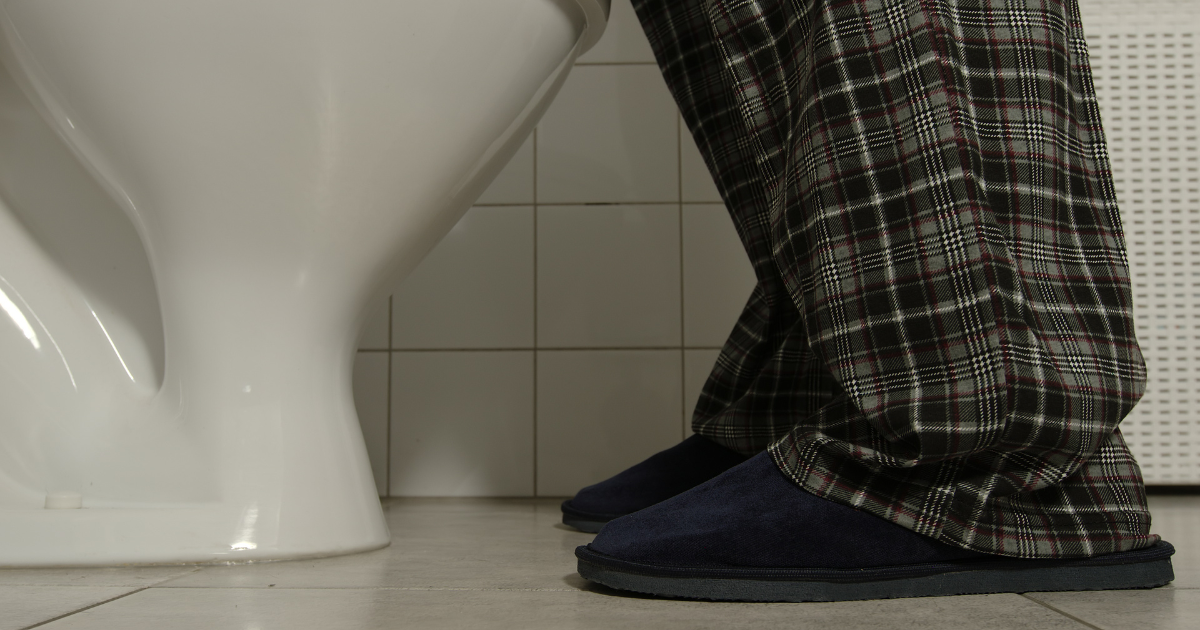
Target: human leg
pixel 941 213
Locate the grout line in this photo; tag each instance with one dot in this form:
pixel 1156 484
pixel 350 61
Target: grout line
pixel 541 349
pixel 85 608
pixel 617 63
pixel 387 466
pixel 682 286
pixel 535 311
pixel 601 203
pixel 416 589
pixel 1061 612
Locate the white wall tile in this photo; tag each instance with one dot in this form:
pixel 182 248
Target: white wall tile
pixel 514 184
pixel 371 401
pixel 608 276
pixel 475 289
pixel 624 41
pixel 374 334
pixel 610 136
pixel 697 182
pixel 717 275
pixel 601 411
pixel 462 424
pixel 697 365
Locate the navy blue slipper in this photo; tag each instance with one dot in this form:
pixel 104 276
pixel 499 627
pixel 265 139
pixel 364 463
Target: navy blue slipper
pixel 666 474
pixel 750 534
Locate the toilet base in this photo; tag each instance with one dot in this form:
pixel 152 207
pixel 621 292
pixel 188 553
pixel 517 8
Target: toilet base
pixel 158 536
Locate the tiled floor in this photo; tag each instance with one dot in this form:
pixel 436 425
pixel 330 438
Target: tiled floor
pixel 488 563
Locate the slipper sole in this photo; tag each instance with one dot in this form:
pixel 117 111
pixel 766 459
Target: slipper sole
pixel 1143 568
pixel 584 521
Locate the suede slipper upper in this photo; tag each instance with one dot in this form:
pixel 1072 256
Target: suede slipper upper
pixel 751 534
pixel 662 476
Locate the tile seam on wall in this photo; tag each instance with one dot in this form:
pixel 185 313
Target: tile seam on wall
pixel 610 203
pixel 534 419
pixel 387 466
pixel 682 283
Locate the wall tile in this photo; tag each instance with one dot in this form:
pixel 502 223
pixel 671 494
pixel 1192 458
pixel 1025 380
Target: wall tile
pixel 697 183
pixel 462 424
pixel 697 365
pixel 374 334
pixel 624 41
pixel 514 184
pixel 371 401
pixel 608 276
pixel 717 275
pixel 610 136
pixel 601 411
pixel 475 290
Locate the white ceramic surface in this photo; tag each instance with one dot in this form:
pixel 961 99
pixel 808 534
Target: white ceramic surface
pixel 624 40
pixel 475 289
pixel 602 411
pixel 717 275
pixel 280 161
pixel 608 276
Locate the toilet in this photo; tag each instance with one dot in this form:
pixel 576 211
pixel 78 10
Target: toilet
pixel 199 201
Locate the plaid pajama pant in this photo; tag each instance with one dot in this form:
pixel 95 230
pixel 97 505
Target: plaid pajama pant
pixel 941 333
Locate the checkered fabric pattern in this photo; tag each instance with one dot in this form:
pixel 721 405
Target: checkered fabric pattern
pixel 942 332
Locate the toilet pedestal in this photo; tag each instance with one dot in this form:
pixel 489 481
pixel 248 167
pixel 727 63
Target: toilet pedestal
pixel 280 161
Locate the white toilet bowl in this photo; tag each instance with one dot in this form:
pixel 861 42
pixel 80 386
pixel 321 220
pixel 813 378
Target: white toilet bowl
pixel 280 161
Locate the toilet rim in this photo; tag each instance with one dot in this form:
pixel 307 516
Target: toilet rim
pixel 597 12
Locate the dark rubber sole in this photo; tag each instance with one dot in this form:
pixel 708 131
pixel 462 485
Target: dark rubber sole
pixel 1144 568
pixel 590 527
pixel 584 521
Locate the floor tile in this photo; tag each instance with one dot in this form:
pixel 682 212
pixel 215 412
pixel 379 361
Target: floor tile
pixel 602 411
pixel 717 275
pixel 436 543
pixel 462 424
pixel 300 609
pixel 611 136
pixel 371 403
pixel 475 289
pixel 1158 609
pixel 23 606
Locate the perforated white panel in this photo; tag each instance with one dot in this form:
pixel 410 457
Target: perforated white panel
pixel 1143 56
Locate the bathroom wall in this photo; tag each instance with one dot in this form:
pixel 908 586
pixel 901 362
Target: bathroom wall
pixel 562 330
pixel 1144 60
